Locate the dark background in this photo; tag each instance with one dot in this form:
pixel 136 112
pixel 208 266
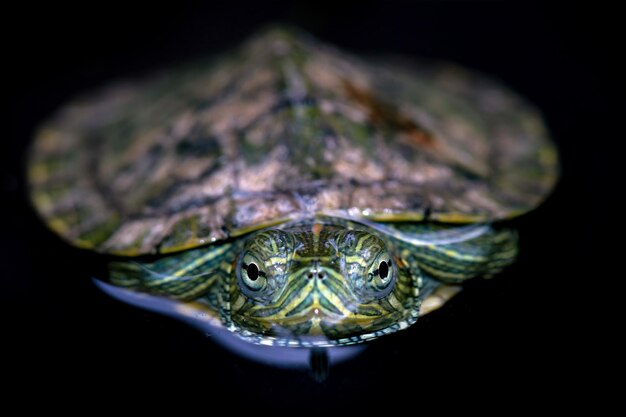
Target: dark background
pixel 543 336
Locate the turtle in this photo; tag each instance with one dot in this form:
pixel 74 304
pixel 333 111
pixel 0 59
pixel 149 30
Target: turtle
pixel 294 194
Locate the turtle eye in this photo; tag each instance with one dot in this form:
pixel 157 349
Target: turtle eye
pixel 382 273
pixel 252 276
pixel 383 269
pixel 261 270
pixel 252 271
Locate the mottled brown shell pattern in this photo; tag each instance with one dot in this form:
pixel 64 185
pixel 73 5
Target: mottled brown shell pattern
pixel 284 127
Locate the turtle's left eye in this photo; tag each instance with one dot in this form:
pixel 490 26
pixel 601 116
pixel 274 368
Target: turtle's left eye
pixel 383 269
pixel 381 273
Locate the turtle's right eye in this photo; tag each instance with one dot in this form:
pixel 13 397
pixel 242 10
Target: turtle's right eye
pixel 253 277
pixel 262 266
pixel 252 271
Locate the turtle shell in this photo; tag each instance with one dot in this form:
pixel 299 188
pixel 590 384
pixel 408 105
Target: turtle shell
pixel 281 128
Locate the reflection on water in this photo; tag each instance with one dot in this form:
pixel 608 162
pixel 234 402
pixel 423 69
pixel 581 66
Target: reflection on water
pixel 194 314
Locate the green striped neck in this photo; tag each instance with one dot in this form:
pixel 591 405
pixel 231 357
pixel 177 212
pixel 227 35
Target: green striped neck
pixel 323 281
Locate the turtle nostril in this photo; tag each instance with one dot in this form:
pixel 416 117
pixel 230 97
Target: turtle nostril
pixel 319 275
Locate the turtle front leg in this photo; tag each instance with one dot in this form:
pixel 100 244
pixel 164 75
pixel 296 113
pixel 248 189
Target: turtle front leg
pixel 438 298
pixel 182 276
pixel 451 255
pixel 447 255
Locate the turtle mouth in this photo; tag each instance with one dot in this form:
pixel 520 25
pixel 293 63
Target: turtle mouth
pixel 322 303
pixel 323 297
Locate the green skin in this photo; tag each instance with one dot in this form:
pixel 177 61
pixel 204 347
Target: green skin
pixel 323 281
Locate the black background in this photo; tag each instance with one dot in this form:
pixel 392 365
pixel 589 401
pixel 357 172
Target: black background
pixel 544 335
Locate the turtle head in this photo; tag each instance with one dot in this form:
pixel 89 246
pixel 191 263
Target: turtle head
pixel 323 284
